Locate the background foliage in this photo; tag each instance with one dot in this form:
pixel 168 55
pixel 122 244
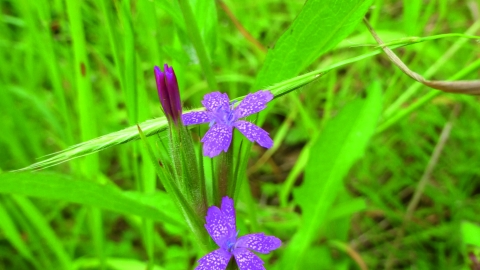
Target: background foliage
pixel 75 70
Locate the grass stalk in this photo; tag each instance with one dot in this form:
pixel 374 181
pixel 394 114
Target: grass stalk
pixel 194 34
pixel 412 205
pixel 86 114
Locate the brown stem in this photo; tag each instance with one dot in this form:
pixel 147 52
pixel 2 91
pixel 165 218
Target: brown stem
pixel 240 27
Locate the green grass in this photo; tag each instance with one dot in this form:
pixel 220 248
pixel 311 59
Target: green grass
pixel 72 71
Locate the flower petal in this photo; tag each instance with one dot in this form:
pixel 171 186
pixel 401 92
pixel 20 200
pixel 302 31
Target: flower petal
pixel 246 260
pixel 217 138
pixel 218 226
pixel 162 90
pixel 259 242
pixel 254 133
pixel 253 103
pixel 193 118
pixel 214 100
pixel 229 211
pixel 215 260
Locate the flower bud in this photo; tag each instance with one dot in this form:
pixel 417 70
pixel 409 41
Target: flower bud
pixel 168 93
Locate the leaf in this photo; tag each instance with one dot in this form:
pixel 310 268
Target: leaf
pixel 470 234
pixel 10 231
pixel 320 26
pixel 43 228
pixel 60 187
pixel 113 263
pixel 342 142
pixel 348 208
pixel 206 17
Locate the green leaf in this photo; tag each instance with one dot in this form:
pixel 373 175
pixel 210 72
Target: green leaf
pixel 470 234
pixel 320 26
pixel 206 16
pixel 43 228
pixel 10 231
pixel 113 263
pixel 342 142
pixel 347 209
pixel 60 187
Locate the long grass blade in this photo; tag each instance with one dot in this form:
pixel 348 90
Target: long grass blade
pixel 159 125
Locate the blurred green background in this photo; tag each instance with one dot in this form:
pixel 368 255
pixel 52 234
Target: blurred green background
pixel 75 70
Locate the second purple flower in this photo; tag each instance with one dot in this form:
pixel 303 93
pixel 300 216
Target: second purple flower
pixel 224 116
pixel 221 225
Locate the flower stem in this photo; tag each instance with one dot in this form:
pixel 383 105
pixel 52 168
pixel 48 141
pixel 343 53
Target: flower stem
pixel 194 34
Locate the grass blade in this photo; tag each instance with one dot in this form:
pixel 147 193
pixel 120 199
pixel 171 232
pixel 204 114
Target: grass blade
pixel 160 125
pixel 304 41
pixel 342 142
pixel 38 221
pixel 54 186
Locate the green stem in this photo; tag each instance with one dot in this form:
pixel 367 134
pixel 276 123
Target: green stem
pixel 193 221
pixel 86 114
pixel 112 40
pixel 54 70
pixel 194 34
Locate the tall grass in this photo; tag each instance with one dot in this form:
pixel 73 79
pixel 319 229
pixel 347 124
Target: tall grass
pixel 77 76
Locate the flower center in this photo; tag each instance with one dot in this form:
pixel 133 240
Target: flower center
pixel 223 115
pixel 231 242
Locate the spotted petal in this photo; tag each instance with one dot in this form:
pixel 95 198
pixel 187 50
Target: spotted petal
pixel 193 118
pixel 215 260
pixel 216 140
pixel 229 212
pixel 218 225
pixel 246 260
pixel 214 100
pixel 259 242
pixel 253 103
pixel 254 133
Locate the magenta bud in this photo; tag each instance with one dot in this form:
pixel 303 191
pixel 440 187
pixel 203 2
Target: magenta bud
pixel 168 93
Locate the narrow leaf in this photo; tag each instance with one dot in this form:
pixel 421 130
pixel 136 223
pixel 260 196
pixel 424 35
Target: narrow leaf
pixel 320 26
pixel 60 187
pixel 342 142
pixel 470 234
pixel 38 221
pixel 10 231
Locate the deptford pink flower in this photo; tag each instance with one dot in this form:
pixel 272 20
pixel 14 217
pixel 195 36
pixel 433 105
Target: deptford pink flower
pixel 224 116
pixel 223 230
pixel 168 93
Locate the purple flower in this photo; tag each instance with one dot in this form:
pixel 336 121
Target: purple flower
pixel 168 93
pixel 223 116
pixel 221 227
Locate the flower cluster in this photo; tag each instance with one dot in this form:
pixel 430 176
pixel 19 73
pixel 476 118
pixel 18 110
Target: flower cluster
pixel 221 225
pixel 223 116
